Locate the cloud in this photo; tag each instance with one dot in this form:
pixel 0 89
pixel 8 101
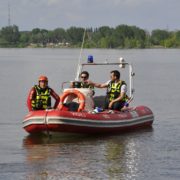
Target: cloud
pixel 54 2
pixel 28 14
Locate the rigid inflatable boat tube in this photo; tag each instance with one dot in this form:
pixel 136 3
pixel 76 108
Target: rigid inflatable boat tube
pixel 80 96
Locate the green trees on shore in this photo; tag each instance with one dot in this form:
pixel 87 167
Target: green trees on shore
pixel 122 36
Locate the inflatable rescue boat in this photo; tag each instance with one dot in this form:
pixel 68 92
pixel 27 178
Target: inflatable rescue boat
pixel 85 118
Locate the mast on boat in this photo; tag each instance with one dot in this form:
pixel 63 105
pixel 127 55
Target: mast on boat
pixel 79 60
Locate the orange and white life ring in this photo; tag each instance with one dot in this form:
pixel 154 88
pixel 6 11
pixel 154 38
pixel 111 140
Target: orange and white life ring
pixel 69 92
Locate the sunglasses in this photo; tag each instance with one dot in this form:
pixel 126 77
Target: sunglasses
pixel 84 77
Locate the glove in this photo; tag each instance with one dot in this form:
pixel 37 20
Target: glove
pixel 126 104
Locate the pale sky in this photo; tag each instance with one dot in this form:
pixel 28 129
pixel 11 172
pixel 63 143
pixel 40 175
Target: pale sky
pixel 51 14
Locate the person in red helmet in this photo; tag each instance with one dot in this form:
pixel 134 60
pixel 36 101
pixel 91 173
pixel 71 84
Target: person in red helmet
pixel 39 97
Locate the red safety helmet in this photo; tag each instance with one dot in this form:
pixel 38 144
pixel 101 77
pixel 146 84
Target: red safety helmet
pixel 43 78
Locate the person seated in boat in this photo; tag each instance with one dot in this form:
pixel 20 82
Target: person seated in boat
pixel 39 97
pixel 84 83
pixel 73 102
pixel 116 91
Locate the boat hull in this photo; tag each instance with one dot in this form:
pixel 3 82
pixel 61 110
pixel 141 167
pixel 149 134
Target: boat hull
pixel 89 123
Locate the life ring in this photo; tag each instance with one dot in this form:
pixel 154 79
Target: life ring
pixel 80 96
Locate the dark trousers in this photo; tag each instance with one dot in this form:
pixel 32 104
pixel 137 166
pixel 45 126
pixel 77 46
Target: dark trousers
pixel 72 106
pixel 116 106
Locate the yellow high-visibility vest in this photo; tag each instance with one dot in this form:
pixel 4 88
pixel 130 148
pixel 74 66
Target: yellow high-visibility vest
pixel 42 100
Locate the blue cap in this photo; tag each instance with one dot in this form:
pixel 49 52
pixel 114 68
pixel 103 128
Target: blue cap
pixel 90 59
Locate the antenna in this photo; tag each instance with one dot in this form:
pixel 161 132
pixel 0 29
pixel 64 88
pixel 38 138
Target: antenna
pixel 79 61
pixel 9 15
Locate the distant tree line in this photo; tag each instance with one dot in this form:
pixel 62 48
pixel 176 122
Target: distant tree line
pixel 122 36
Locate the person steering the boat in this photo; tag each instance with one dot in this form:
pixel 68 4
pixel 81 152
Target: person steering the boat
pixel 39 97
pixel 116 91
pixel 72 102
pixel 84 83
pixel 84 80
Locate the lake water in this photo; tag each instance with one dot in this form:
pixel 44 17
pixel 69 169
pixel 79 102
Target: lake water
pixel 147 154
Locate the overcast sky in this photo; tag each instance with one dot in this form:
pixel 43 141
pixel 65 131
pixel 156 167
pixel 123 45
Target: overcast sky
pixel 51 14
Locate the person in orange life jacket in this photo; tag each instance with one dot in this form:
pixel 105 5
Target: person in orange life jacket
pixel 39 97
pixel 116 91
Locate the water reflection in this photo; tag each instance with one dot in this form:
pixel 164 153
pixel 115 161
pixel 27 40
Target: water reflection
pixel 43 146
pixel 58 157
pixel 84 157
pixel 123 155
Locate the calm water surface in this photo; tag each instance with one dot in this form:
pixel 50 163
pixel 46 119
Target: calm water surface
pixel 147 154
